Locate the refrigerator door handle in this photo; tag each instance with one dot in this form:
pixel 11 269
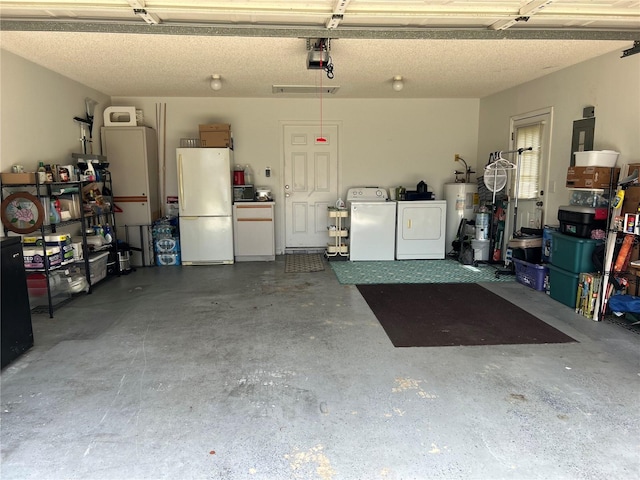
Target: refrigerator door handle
pixel 182 202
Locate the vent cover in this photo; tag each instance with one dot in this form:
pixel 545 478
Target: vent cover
pixel 303 89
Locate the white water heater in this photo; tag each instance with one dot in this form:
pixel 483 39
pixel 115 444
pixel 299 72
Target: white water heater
pixel 462 202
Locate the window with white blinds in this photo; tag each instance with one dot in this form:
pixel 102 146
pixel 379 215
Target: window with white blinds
pixel 529 162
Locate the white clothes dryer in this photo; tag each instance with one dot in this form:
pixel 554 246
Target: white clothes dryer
pixel 421 230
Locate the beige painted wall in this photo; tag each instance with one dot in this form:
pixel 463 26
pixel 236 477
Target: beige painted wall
pixel 37 109
pixel 610 83
pixel 382 142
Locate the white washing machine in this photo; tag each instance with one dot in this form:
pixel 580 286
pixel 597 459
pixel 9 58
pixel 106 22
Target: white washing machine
pixel 421 230
pixel 372 235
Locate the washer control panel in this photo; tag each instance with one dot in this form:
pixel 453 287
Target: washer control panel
pixel 367 194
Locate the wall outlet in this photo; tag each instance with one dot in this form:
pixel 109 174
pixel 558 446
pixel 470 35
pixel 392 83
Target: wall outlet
pixel 267 172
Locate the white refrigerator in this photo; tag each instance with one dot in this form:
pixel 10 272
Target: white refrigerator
pixel 205 203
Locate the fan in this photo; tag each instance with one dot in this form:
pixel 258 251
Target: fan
pixel 495 179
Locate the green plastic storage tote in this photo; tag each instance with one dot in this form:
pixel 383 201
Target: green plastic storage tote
pixel 573 253
pixel 563 285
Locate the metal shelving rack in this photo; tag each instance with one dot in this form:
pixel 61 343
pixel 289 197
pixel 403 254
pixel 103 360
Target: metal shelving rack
pixel 339 233
pixel 47 190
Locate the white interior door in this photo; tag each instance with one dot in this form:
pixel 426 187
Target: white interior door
pixel 310 183
pixel 532 167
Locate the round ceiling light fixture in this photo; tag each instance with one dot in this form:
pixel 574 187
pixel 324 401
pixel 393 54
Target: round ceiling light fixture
pixel 397 84
pixel 216 83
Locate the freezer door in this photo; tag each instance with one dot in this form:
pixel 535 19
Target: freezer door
pixel 206 240
pixel 204 181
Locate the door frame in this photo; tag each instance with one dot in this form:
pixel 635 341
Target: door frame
pixel 545 162
pixel 281 206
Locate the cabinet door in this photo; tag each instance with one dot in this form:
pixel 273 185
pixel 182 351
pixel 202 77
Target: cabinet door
pixel 126 152
pixel 132 153
pixel 254 231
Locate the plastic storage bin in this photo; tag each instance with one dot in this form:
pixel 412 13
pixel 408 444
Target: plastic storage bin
pixel 37 284
pixel 97 267
pixel 573 253
pixel 528 249
pixel 596 158
pixel 580 221
pixel 530 274
pixel 37 287
pixel 563 285
pixel 480 250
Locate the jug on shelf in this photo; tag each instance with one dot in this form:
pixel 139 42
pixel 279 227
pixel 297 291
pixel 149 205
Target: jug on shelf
pixel 238 175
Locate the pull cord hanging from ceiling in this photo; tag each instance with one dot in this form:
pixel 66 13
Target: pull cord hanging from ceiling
pixel 321 138
pixel 322 45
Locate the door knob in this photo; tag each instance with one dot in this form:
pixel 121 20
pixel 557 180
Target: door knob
pixel 287 194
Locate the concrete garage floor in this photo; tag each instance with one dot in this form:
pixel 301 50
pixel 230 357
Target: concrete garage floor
pixel 246 372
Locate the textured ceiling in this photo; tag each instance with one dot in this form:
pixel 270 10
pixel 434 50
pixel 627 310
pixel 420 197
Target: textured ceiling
pixel 442 49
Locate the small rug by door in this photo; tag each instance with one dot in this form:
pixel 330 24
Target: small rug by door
pixel 303 263
pixel 454 314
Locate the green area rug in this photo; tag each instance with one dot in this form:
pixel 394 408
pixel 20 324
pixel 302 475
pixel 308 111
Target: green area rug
pixel 415 271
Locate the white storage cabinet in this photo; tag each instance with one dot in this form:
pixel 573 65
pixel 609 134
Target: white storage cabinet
pixel 254 231
pixel 132 153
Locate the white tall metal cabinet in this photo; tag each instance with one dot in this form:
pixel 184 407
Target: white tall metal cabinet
pixel 132 153
pixel 420 232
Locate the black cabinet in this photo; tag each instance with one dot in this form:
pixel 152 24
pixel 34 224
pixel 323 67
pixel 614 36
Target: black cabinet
pixel 16 329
